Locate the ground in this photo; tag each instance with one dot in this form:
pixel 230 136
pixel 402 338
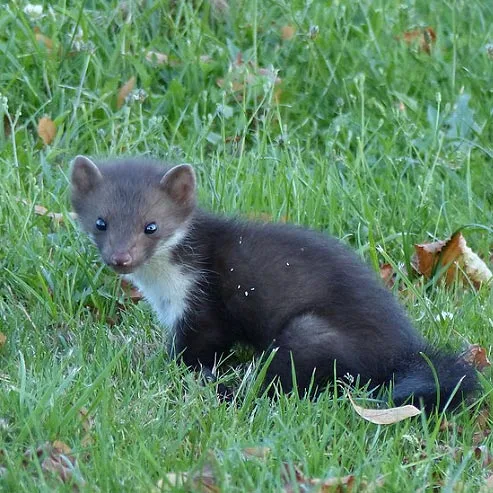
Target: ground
pixel 370 121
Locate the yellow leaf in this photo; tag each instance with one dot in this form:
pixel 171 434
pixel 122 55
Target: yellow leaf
pixel 41 38
pixel 260 452
pixel 124 91
pixel 385 416
pixel 3 339
pixel 157 58
pixel 46 130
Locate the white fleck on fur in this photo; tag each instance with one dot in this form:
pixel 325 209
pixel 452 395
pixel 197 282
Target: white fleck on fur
pixel 164 283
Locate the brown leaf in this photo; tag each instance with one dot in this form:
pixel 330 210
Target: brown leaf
pixel 483 419
pixel 58 466
pixel 46 130
pixel 3 339
pixel 60 447
pixel 328 485
pixel 445 257
pixel 86 419
pixel 476 356
pixel 388 275
pixel 131 291
pixel 288 32
pixel 385 416
pixel 242 75
pixel 41 38
pixel 425 38
pixel 125 90
pixel 56 459
pixel 483 454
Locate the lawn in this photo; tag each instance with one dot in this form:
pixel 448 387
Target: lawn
pixel 371 121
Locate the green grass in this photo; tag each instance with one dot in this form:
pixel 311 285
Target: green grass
pixel 370 140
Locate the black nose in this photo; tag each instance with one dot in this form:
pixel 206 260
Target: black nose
pixel 121 259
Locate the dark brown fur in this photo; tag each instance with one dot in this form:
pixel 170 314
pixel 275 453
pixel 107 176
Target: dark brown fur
pixel 267 286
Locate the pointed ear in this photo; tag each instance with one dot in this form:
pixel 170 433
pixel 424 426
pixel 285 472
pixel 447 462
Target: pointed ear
pixel 179 184
pixel 85 175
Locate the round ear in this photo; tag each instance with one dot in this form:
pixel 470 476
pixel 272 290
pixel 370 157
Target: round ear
pixel 179 184
pixel 85 175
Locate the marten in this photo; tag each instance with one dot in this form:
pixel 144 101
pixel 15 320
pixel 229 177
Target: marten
pixel 215 281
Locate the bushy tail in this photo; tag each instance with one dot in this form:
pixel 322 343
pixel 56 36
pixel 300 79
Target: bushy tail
pixel 420 374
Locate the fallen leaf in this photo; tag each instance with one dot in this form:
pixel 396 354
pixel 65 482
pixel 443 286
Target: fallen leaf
pixel 60 447
pixel 259 452
pixel 424 37
pixel 329 485
pixel 476 356
pixel 483 419
pixel 86 419
pixel 449 258
pixel 483 454
pixel 57 217
pixel 385 416
pixel 3 339
pixel 125 90
pixel 157 58
pixel 242 75
pixel 46 130
pixel 57 459
pixel 387 275
pixel 203 481
pixel 131 291
pixel 41 38
pixel 288 32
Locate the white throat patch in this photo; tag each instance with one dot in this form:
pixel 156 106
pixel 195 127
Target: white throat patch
pixel 164 284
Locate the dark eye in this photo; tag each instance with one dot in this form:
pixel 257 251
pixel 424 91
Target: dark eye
pixel 101 224
pixel 150 228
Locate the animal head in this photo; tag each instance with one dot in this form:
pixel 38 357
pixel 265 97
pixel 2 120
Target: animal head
pixel 132 208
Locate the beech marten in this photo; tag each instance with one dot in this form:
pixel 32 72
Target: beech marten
pixel 215 281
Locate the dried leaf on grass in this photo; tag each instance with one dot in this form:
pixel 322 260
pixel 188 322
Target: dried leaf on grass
pixel 47 130
pixel 242 75
pixel 425 38
pixel 329 485
pixel 125 90
pixel 387 275
pixel 483 454
pixel 57 217
pixel 157 57
pixel 44 40
pixel 131 292
pixel 203 481
pixel 385 416
pixel 3 339
pixel 288 32
pixel 476 356
pixel 450 258
pixel 56 458
pixel 258 452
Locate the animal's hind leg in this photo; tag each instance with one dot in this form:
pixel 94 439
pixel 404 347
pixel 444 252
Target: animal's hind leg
pixel 314 348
